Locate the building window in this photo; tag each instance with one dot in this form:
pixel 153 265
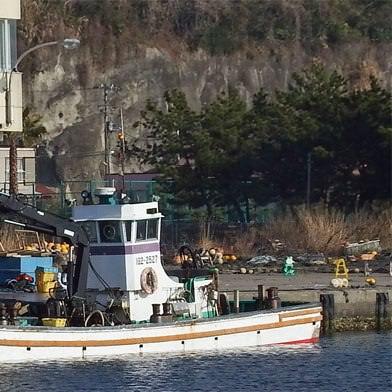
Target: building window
pixel 7 44
pixel 147 229
pixel 20 167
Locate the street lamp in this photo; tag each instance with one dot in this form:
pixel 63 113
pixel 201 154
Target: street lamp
pixel 69 44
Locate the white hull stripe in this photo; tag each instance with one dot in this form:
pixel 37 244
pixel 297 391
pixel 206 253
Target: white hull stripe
pixel 155 339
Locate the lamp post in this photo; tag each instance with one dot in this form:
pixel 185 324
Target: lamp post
pixel 68 43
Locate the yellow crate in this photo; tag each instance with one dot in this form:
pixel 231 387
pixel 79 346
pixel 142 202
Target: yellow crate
pixel 45 281
pixel 54 322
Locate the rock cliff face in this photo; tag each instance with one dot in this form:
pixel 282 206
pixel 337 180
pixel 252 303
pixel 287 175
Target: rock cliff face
pixel 65 86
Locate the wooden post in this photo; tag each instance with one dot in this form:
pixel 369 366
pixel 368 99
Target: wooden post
pixel 382 300
pixel 216 286
pixel 328 304
pixel 260 296
pixel 366 269
pixel 216 280
pixel 236 301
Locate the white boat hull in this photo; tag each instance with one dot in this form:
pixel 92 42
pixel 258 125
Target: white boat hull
pixel 291 325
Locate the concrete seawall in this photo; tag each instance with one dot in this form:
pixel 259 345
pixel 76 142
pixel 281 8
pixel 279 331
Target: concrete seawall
pixel 347 309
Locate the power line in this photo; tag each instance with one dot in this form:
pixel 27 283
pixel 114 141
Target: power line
pixel 56 89
pixel 75 155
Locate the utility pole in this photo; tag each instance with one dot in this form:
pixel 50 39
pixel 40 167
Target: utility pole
pixel 13 165
pixel 106 109
pixel 122 149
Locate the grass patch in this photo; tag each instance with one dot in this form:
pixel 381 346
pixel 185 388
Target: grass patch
pixel 298 230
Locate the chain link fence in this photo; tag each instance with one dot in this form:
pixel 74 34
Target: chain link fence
pixel 60 199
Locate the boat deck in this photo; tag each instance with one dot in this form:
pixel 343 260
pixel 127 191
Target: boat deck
pixel 177 323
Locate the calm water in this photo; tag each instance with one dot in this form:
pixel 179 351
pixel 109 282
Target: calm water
pixel 345 362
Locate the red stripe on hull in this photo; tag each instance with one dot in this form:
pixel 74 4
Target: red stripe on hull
pixel 311 340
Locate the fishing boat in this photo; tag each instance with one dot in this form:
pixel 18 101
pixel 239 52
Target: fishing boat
pixel 114 296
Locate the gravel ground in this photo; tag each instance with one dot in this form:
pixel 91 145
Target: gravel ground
pixel 302 280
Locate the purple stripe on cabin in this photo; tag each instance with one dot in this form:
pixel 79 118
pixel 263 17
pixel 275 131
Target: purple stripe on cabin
pixel 99 250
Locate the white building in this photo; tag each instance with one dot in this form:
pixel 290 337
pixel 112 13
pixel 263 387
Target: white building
pixel 25 168
pixel 13 120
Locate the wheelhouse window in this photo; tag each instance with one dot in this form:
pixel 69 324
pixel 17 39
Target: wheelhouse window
pixel 147 229
pixel 109 231
pixel 128 230
pixel 91 230
pixel 141 233
pixel 152 229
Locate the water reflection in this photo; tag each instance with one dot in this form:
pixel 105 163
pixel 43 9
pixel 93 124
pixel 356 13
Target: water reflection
pixel 344 362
